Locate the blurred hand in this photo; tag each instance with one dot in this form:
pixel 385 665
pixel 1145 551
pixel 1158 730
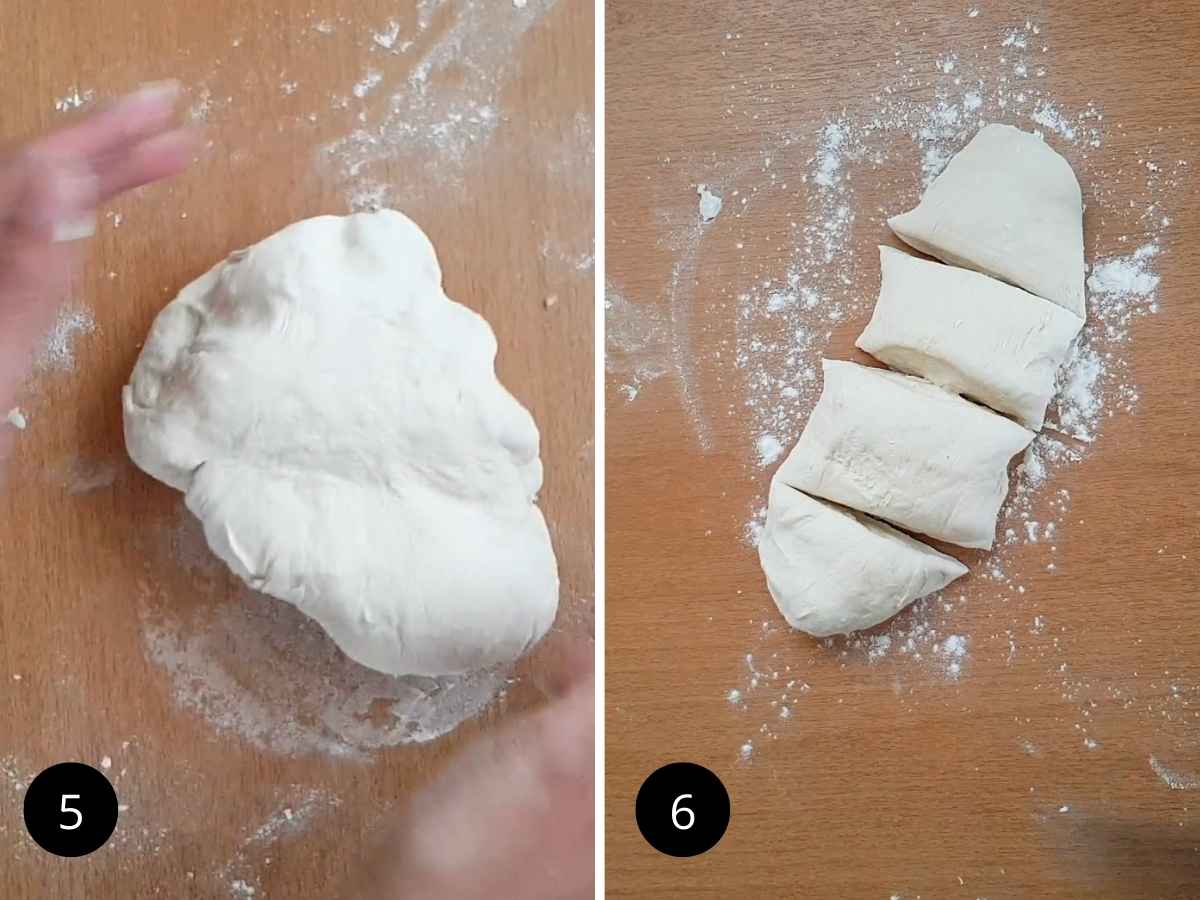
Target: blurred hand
pixel 511 816
pixel 52 185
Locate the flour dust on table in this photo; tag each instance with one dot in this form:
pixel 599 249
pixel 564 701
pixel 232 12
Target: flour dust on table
pixel 769 324
pixel 216 638
pixel 635 338
pixel 459 58
pixel 54 356
pixel 57 353
pixel 430 92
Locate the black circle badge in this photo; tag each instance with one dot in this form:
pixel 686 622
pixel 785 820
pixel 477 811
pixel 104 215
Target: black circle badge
pixel 682 809
pixel 70 809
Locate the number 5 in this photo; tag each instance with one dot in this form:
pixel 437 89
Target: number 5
pixel 676 809
pixel 71 809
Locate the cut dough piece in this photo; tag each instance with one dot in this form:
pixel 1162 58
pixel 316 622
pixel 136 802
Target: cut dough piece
pixel 833 571
pixel 336 424
pixel 904 450
pixel 1007 205
pixel 969 334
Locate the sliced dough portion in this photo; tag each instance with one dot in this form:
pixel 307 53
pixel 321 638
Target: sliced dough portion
pixel 1007 205
pixel 833 571
pixel 904 450
pixel 969 334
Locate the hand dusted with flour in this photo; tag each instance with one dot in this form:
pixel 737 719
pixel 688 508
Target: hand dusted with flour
pixel 336 424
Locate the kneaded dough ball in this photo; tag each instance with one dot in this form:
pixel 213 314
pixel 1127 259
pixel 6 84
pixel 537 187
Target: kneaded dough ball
pixel 336 424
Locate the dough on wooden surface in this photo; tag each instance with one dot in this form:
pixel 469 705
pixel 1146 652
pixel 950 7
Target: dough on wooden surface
pixel 833 571
pixel 336 424
pixel 1010 206
pixel 906 451
pixel 969 334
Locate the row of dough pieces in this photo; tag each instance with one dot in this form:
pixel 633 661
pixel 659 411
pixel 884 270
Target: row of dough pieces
pixel 910 450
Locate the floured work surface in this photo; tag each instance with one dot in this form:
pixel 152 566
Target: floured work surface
pixel 1033 730
pixel 253 757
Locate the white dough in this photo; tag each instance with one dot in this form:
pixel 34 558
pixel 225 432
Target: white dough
pixel 969 334
pixel 338 428
pixel 832 571
pixel 1009 206
pixel 904 450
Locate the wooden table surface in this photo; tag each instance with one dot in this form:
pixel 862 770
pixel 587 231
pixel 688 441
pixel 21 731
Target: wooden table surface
pixel 1061 761
pixel 253 759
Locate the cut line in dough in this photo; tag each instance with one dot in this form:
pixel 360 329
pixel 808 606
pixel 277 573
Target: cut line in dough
pixel 1009 206
pixel 834 571
pixel 905 451
pixel 970 334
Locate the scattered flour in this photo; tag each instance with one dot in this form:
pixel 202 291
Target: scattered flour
pixel 74 99
pixel 369 82
pixel 1176 781
pixel 710 204
pixel 317 700
pixel 680 292
pixel 57 353
pixel 449 105
pixel 635 343
pixel 878 647
pixel 786 314
pixel 1125 276
pixel 1079 400
pixel 953 649
pixel 831 155
pixel 16 418
pixel 1048 116
pixel 769 449
pixel 16 777
pixel 388 36
pixel 84 476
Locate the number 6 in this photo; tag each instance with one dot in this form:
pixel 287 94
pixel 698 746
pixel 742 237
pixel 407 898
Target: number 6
pixel 676 809
pixel 71 809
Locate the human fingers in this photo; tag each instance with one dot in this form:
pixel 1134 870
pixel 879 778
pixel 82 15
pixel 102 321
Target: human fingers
pixel 563 664
pixel 161 156
pixel 119 126
pixel 512 816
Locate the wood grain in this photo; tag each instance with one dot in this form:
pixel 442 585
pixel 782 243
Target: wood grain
pixel 892 779
pixel 90 553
